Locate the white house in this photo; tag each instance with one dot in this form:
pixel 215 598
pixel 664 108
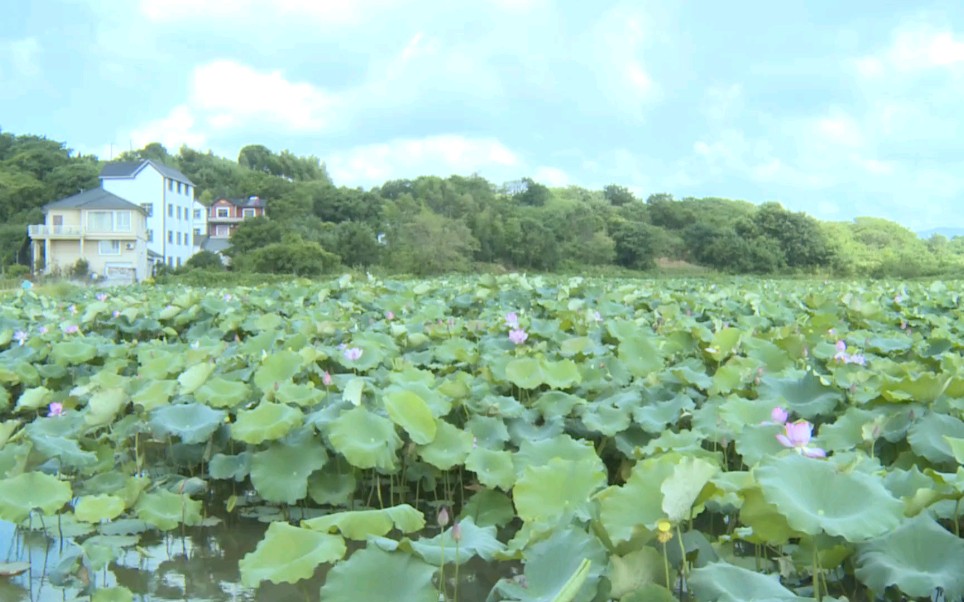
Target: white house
pixel 167 196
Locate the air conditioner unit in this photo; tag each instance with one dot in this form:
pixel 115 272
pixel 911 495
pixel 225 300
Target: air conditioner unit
pixel 130 246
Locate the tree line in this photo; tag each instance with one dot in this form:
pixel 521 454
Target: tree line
pixel 431 225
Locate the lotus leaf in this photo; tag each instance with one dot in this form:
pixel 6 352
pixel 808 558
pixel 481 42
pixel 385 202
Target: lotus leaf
pixel 219 392
pixel 806 396
pixel 539 453
pixel 400 577
pixel 166 510
pixel 73 353
pixel 926 436
pixel 560 487
pixel 723 582
pixel 235 467
pixel 266 422
pixel 765 521
pixel 492 468
pixel 638 502
pixel 195 376
pixel 301 395
pixel 95 508
pixel 525 373
pixel 365 439
pixel 333 485
pixel 192 422
pixel 288 554
pixel 117 593
pixel 641 355
pixel 277 368
pixel 682 489
pixel 360 524
pixel 917 556
pixel 551 564
pixel 154 394
pixel 635 570
pixel 449 448
pixel 104 406
pixel 410 412
pixel 353 391
pixel 21 494
pixel 7 427
pixel 69 452
pixel 489 507
pixel 280 472
pixel 34 398
pixel 815 496
pixel 473 541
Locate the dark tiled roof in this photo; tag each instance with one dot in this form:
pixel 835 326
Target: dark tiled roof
pixel 128 169
pixel 95 198
pixel 248 202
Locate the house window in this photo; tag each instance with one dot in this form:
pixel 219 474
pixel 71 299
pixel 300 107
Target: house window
pixel 109 221
pixel 170 236
pixel 178 262
pixel 170 210
pixel 150 236
pixel 149 208
pixel 223 212
pixel 170 185
pixel 109 247
pixel 187 190
pixel 221 231
pixel 249 212
pixel 178 238
pixel 197 232
pixel 179 188
pixel 178 213
pixel 197 214
pixel 170 262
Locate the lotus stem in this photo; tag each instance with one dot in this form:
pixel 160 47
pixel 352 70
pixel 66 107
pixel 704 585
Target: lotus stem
pixel 666 567
pixel 816 574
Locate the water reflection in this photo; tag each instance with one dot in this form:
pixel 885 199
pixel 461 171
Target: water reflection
pixel 199 564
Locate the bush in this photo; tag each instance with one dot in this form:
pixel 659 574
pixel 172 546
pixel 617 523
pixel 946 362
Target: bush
pixel 80 270
pixel 17 271
pixel 205 260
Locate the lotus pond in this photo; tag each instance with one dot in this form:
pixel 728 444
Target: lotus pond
pixel 492 438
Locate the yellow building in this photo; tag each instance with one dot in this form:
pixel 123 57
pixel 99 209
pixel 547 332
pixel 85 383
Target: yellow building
pixel 107 231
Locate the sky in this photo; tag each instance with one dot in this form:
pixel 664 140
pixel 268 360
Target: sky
pixel 838 109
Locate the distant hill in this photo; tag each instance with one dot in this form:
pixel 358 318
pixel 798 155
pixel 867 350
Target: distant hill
pixel 948 232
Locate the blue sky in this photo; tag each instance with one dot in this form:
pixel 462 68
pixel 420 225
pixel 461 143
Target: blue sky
pixel 838 109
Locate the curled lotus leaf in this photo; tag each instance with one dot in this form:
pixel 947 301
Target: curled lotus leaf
pixel 219 392
pixel 266 422
pixel 917 556
pixel 927 437
pixel 288 554
pixel 192 422
pixel 409 411
pixel 473 541
pixel 154 394
pixel 25 492
pixel 560 487
pixel 277 368
pixel 365 439
pixel 34 398
pixel 195 376
pixel 362 524
pixel 815 496
pixel 723 582
pixel 280 472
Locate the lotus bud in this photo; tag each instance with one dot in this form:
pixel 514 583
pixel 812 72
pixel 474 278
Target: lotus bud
pixel 457 531
pixel 443 517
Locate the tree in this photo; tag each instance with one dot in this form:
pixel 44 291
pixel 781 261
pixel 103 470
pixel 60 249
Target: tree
pixel 432 244
pixel 253 234
pixel 532 194
pixel 205 260
pixel 618 195
pixel 291 256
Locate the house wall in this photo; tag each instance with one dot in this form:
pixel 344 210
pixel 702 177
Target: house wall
pixel 63 254
pixel 171 221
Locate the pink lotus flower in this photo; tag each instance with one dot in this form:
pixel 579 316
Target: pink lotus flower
pixel 71 329
pixel 20 336
pixel 326 379
pixel 56 409
pixel 102 296
pixel 389 315
pixel 518 336
pixel 512 320
pixel 779 415
pixel 457 531
pixel 443 517
pixel 797 435
pixel 352 354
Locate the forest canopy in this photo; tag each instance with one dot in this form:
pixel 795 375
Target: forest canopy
pixel 432 225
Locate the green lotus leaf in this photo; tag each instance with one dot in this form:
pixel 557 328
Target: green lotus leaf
pixel 638 502
pixel 473 541
pixel 723 582
pixel 551 564
pixel 365 439
pixel 195 376
pixel 650 593
pixel 353 391
pixel 956 445
pixel 34 398
pixel 154 394
pixel 280 473
pixel 654 417
pixel 230 467
pixel 361 524
pixel 546 493
pixel 806 396
pixel 95 508
pixel 562 374
pixel 921 388
pixel 73 353
pixel 266 422
pixel 219 392
pixel 489 507
pixel 682 488
pixel 632 571
pixel 69 452
pixel 926 436
pixel 288 554
pixel 333 485
pixel 557 404
pixel 400 577
pixel 277 368
pixel 7 427
pixel 492 468
pixel 166 510
pixel 489 431
pixel 449 448
pixel 103 406
pixel 410 412
pixel 192 422
pixel 156 364
pixel 917 557
pixel 118 593
pixel 456 350
pixel 25 492
pixel 815 496
pixel 577 346
pixel 525 373
pixel 640 354
pixel 539 453
pixel 605 419
pixel 693 373
pixel 306 395
pixel 758 442
pixel 766 523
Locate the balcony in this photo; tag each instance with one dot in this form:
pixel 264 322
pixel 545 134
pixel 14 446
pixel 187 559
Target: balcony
pixel 66 232
pixel 214 219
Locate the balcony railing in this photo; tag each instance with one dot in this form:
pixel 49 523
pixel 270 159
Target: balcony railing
pixel 71 231
pixel 225 219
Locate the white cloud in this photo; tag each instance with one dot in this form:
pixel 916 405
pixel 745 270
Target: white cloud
pixel 180 127
pixel 615 49
pixel 442 155
pixel 916 47
pixel 552 176
pixel 319 12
